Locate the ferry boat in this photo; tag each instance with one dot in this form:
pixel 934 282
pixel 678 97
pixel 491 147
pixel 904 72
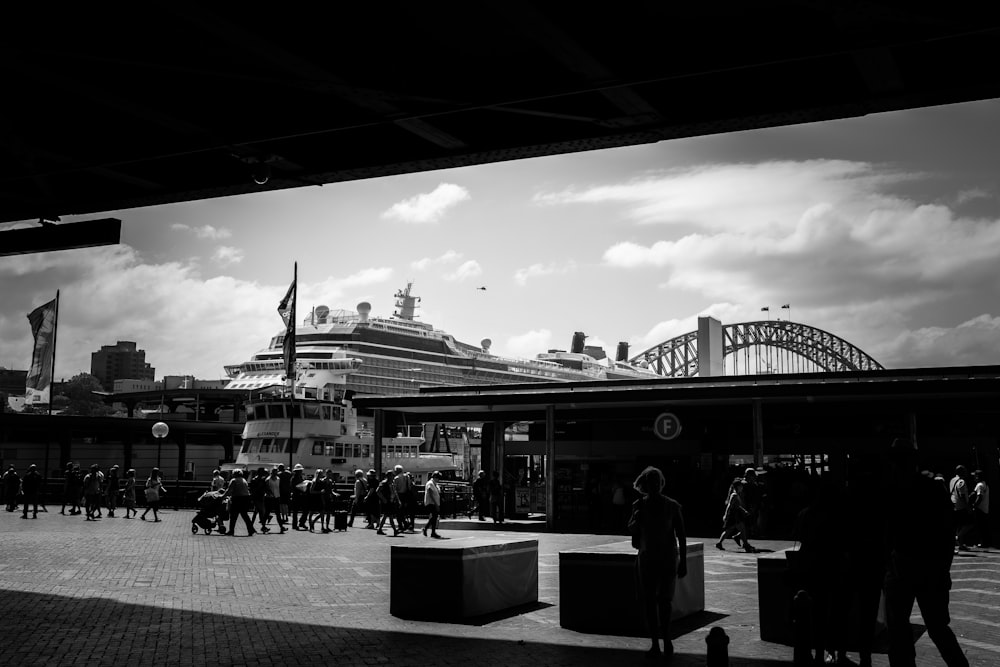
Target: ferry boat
pixel 318 427
pixel 399 354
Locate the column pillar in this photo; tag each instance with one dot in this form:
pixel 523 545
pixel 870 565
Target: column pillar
pixel 379 433
pixel 550 467
pixel 758 433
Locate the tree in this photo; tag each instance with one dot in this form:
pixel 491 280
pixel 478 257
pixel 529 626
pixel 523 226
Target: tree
pixel 82 399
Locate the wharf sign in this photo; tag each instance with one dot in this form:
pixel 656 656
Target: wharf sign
pixel 667 426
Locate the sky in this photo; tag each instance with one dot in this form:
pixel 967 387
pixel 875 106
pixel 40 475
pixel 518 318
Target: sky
pixel 883 229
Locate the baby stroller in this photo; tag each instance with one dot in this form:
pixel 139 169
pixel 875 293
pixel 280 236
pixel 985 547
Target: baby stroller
pixel 212 513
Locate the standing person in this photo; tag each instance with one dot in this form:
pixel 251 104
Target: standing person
pixel 31 486
pixel 154 489
pixel 619 505
pixel 734 519
pixel 432 501
pixel 239 498
pixel 496 498
pixel 92 492
pixel 330 496
pixel 77 489
pixel 11 486
pixel 111 492
pixel 358 499
pixel 284 491
pixel 129 494
pixel 959 490
pixel 388 504
pixel 272 502
pixel 481 491
pixel 753 500
pixel 371 500
pixel 920 539
pixel 980 502
pixel 657 528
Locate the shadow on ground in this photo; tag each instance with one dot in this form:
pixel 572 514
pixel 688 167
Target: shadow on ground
pixel 52 629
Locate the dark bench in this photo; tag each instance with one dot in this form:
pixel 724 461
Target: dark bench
pixel 597 589
pixel 452 580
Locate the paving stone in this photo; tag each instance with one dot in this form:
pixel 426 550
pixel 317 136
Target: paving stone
pixel 116 591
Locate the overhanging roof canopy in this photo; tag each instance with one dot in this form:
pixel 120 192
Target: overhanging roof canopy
pixel 106 109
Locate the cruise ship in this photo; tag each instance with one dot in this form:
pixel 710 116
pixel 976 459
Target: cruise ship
pixel 399 354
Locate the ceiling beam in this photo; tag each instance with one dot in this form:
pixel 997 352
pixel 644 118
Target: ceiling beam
pixel 48 237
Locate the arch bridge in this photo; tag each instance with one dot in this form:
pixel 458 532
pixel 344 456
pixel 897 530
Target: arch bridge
pixel 755 348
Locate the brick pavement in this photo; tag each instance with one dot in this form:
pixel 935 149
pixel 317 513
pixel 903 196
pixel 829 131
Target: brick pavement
pixel 75 592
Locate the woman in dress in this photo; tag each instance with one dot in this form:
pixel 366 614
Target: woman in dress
pixel 734 519
pixel 154 489
pixel 657 528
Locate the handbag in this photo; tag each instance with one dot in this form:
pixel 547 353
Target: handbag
pixel 152 494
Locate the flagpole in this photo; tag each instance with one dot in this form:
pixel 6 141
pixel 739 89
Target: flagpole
pixel 55 330
pixel 291 413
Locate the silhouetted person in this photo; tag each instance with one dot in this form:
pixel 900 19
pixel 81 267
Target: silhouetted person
pixel 734 518
pixel 981 508
pixel 481 492
pixel 959 489
pixel 657 527
pixel 238 493
pixel 920 538
pixel 11 487
pixel 31 486
pixel 496 498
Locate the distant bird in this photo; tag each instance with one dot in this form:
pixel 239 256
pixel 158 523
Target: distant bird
pixel 482 288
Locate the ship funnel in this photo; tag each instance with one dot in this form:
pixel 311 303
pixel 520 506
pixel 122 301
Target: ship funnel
pixel 622 354
pixel 364 308
pixel 578 338
pixel 485 343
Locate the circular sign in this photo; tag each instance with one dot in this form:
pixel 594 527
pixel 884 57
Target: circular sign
pixel 667 426
pixel 160 430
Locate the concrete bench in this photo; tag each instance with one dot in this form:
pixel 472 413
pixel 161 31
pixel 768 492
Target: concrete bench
pixel 452 580
pixel 775 592
pixel 597 589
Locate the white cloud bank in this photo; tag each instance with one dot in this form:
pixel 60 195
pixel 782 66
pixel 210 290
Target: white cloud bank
pixel 204 232
pixel 466 270
pixel 827 236
pixel 449 257
pixel 427 207
pixel 226 255
pixel 522 276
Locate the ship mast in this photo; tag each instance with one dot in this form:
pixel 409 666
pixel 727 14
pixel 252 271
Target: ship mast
pixel 406 304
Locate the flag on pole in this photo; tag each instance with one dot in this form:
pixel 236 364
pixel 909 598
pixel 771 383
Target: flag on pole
pixel 43 330
pixel 287 311
pixel 767 308
pixel 787 305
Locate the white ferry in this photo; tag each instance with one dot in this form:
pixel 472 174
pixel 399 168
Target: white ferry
pixel 399 354
pixel 326 431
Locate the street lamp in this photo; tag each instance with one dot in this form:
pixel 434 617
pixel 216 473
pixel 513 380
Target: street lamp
pixel 160 431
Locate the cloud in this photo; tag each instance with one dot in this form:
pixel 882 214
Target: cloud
pixel 972 194
pixel 112 293
pixel 424 263
pixel 528 344
pixel 469 269
pixel 971 343
pixel 226 255
pixel 204 232
pixel 521 276
pixel 427 207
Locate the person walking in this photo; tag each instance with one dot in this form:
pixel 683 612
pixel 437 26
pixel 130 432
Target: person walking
pixel 272 501
pixel 388 504
pixel 920 539
pixel 92 492
pixel 284 491
pixel 299 497
pixel 980 503
pixel 70 497
pixel 111 491
pixel 959 490
pixel 317 490
pixel 496 498
pixel 128 495
pixel 432 501
pixel 258 495
pixel 657 528
pixel 358 499
pixel 481 492
pixel 154 489
pixel 371 500
pixel 734 519
pixel 404 491
pixel 329 500
pixel 31 487
pixel 238 493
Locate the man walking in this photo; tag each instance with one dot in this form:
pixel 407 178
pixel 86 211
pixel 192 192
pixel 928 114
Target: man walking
pixel 960 504
pixel 980 502
pixel 481 492
pixel 496 498
pixel 432 501
pixel 919 540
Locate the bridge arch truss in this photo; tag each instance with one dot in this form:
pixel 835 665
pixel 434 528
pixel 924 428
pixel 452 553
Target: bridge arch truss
pixel 761 347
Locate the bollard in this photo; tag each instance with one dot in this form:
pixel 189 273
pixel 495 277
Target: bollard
pixel 802 629
pixel 717 654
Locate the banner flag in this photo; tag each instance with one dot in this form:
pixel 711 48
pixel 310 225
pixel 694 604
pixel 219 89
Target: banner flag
pixel 287 311
pixel 43 330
